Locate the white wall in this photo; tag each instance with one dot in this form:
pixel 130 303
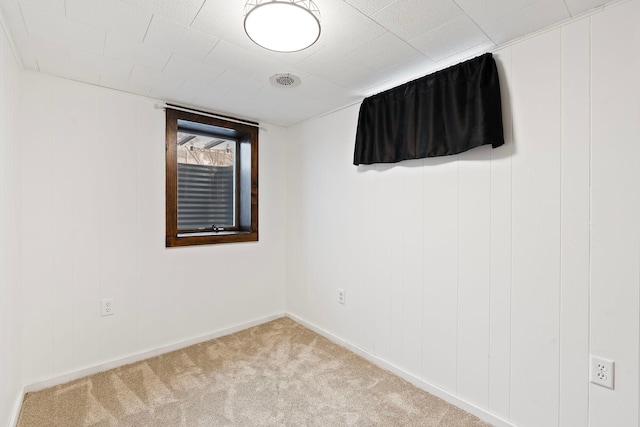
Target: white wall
pixel 492 274
pixel 10 357
pixel 93 226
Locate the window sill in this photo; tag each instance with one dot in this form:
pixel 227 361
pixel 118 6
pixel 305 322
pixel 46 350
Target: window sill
pixel 208 238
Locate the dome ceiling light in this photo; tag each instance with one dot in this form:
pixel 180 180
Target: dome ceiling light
pixel 282 25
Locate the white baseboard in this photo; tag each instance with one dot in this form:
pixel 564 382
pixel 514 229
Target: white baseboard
pixel 105 366
pixel 429 388
pixel 17 406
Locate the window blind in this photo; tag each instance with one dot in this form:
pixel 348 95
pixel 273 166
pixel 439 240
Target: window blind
pixel 205 196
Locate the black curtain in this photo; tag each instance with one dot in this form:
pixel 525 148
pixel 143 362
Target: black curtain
pixel 447 112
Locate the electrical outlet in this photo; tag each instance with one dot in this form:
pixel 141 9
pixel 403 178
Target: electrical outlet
pixel 602 371
pixel 106 307
pixel 341 296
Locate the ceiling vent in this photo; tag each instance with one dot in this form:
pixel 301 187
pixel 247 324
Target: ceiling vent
pixel 284 80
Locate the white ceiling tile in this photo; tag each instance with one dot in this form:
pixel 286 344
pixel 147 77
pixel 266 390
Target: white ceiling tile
pixel 33 49
pixel 82 66
pixel 170 95
pixel 292 58
pixel 111 15
pixel 45 26
pixel 124 85
pixel 84 77
pixel 182 40
pixel 55 7
pixel 235 58
pixel 328 6
pixel 82 62
pixel 463 56
pixel 480 11
pixel 199 91
pixel 272 67
pixel 451 38
pixel 214 104
pixel 365 46
pixel 311 106
pixel 370 7
pixel 55 68
pixel 241 106
pixel 577 7
pixel 180 11
pixel 231 105
pixel 240 82
pixel 326 92
pixel 224 20
pixel 367 82
pixel 383 52
pixel 155 79
pixel 277 96
pixel 402 73
pixel 123 49
pixel 411 18
pixel 328 64
pixel 180 66
pixel 528 19
pixel 359 79
pixel 13 17
pixel 345 29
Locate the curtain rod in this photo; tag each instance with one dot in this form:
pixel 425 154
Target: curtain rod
pixel 204 113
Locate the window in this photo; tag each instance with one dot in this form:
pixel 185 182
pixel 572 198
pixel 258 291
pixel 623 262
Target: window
pixel 212 179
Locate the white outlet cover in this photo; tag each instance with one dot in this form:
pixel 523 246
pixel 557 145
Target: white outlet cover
pixel 106 307
pixel 341 296
pixel 602 372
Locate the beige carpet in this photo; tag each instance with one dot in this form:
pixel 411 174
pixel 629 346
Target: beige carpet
pixel 276 374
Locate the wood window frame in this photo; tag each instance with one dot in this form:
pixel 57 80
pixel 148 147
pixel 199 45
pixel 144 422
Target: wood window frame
pixel 246 202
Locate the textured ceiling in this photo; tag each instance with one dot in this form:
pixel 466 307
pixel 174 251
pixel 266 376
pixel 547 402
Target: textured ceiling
pixel 195 52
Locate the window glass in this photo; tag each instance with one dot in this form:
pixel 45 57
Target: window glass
pixel 206 181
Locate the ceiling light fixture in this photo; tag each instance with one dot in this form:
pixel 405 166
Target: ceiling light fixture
pixel 282 25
